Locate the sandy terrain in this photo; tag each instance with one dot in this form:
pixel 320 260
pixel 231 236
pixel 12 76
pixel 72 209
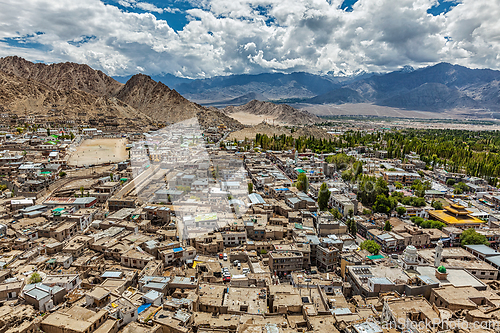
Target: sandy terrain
pixel 251 119
pixel 98 151
pixel 367 109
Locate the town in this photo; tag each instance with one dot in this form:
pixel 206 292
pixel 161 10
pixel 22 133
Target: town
pixel 188 229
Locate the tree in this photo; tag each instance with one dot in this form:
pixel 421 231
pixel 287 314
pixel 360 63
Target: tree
pixel 81 190
pixel 366 212
pixel 450 182
pixel 302 182
pixel 250 188
pixel 370 246
pixel 353 228
pixel 336 214
pixel 460 188
pixel 387 226
pixel 62 174
pixel 35 278
pixel 398 185
pixel 437 205
pixel 472 237
pixel 323 197
pixel 384 204
pixel 401 210
pixel 263 251
pixel 111 176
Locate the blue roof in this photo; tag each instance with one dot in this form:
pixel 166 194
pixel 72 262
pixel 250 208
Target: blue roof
pixel 282 189
pixel 143 307
pixel 177 249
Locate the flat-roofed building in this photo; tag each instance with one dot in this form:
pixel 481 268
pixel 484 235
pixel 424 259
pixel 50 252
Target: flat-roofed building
pixel 405 178
pixel 284 263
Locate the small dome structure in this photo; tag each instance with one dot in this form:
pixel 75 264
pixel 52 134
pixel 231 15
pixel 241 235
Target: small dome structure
pixel 441 269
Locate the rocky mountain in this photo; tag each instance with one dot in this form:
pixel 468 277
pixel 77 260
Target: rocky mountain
pixel 269 85
pixel 29 97
pixel 62 76
pixel 281 113
pixel 244 99
pixel 92 95
pixel 439 87
pixel 337 96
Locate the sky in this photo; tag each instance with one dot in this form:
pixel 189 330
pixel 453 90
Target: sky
pixel 206 38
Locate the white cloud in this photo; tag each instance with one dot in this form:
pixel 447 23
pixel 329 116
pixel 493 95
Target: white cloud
pixel 238 36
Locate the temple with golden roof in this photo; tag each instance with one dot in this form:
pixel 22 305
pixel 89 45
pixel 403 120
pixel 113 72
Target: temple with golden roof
pixel 457 216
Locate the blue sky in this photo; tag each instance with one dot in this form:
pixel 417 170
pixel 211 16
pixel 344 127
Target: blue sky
pixel 204 38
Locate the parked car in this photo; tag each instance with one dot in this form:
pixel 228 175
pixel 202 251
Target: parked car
pixel 236 262
pixel 221 255
pixel 226 279
pixel 224 256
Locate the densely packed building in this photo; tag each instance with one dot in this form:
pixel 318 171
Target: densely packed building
pixel 188 235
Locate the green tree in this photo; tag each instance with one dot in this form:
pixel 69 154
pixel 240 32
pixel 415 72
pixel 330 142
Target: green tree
pixel 302 182
pixel 437 205
pixel 384 204
pixel 62 174
pixel 323 197
pixel 400 210
pixel 336 214
pixel 366 212
pixel 472 237
pixel 450 182
pixel 250 188
pixel 81 190
pixel 353 228
pixel 387 226
pixel 370 246
pixel 398 185
pixel 35 278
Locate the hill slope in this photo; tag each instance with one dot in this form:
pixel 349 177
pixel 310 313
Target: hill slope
pixel 92 95
pixel 281 113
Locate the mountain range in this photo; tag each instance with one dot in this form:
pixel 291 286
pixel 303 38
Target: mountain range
pixel 69 91
pixel 434 88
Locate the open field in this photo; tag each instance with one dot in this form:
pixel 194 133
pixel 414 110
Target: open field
pixel 98 151
pixel 251 119
pixel 367 109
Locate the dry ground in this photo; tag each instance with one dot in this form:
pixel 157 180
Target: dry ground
pixel 98 151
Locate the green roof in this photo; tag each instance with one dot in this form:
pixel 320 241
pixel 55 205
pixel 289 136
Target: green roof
pixel 375 257
pixel 54 136
pixel 442 269
pixel 46 172
pixel 60 209
pixel 52 261
pixel 123 179
pixel 299 226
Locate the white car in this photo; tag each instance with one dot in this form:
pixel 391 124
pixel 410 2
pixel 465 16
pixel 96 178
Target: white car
pixel 224 257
